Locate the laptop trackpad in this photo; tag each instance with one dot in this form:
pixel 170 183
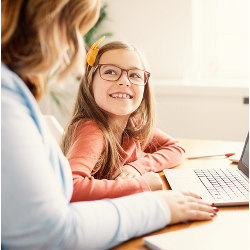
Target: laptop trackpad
pixel 186 180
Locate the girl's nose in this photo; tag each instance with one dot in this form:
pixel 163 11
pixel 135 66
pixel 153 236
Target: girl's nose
pixel 124 79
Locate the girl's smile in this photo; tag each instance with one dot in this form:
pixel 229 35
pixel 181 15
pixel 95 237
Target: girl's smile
pixel 121 95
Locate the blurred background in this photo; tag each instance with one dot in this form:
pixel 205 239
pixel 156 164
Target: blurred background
pixel 198 54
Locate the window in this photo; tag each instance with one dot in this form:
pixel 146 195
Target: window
pixel 219 43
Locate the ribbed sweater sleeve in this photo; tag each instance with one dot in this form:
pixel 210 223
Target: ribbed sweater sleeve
pixel 162 152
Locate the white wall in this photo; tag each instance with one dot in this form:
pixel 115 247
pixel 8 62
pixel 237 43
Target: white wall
pixel 189 44
pixel 202 112
pixel 196 41
pixel 161 29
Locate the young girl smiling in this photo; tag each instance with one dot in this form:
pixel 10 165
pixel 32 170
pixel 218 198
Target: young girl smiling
pixel 112 124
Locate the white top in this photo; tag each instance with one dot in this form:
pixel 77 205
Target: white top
pixel 37 187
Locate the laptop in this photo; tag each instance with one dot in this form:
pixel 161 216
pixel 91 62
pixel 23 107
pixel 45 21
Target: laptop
pixel 221 186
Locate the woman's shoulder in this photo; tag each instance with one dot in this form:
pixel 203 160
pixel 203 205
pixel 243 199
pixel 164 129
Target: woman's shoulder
pixel 8 78
pixel 12 83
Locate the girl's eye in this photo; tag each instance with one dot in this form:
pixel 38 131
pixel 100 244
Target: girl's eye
pixel 110 72
pixel 134 75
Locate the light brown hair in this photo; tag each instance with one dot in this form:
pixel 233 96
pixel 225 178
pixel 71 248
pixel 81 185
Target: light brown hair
pixel 32 36
pixel 139 126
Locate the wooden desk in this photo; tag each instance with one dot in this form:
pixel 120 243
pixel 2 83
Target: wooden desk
pixel 229 229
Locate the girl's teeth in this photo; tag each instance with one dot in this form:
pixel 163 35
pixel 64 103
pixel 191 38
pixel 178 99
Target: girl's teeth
pixel 124 96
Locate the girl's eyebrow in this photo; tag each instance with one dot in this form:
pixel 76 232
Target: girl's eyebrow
pixel 130 67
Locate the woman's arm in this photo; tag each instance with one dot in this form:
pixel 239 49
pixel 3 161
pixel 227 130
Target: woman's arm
pixel 37 185
pixel 161 152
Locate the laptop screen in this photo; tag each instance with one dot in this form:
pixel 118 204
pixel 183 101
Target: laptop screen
pixel 244 160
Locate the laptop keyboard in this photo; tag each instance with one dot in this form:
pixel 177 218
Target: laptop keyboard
pixel 223 184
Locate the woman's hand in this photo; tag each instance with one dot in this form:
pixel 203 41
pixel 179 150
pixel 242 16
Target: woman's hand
pixel 126 171
pixel 186 206
pixel 153 180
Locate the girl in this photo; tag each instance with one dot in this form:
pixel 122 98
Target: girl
pixel 112 124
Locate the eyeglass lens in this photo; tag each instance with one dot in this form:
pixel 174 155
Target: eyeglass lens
pixel 113 73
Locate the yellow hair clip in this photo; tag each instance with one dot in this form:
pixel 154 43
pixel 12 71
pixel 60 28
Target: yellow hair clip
pixel 92 53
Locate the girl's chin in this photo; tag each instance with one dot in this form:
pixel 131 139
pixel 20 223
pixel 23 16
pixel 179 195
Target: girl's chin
pixel 120 114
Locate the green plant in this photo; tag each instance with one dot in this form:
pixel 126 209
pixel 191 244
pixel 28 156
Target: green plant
pixel 91 36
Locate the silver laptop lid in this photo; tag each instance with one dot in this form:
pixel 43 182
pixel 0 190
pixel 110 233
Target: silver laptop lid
pixel 244 159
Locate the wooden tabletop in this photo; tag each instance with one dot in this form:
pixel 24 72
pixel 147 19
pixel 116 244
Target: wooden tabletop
pixel 229 229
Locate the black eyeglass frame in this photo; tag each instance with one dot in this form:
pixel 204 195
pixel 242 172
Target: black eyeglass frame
pixel 146 73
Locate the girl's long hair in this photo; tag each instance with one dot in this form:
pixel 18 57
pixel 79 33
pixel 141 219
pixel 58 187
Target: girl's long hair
pixel 32 32
pixel 139 126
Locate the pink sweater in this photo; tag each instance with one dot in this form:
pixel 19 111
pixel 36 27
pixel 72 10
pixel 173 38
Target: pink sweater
pixel 161 153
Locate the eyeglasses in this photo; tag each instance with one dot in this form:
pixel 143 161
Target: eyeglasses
pixel 111 72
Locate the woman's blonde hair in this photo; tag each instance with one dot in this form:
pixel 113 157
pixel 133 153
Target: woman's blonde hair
pixel 33 32
pixel 139 126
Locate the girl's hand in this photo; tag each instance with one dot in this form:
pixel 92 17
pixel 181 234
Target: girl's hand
pixel 153 180
pixel 186 206
pixel 126 171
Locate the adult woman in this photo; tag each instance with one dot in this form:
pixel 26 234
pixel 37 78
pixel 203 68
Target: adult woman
pixel 36 177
